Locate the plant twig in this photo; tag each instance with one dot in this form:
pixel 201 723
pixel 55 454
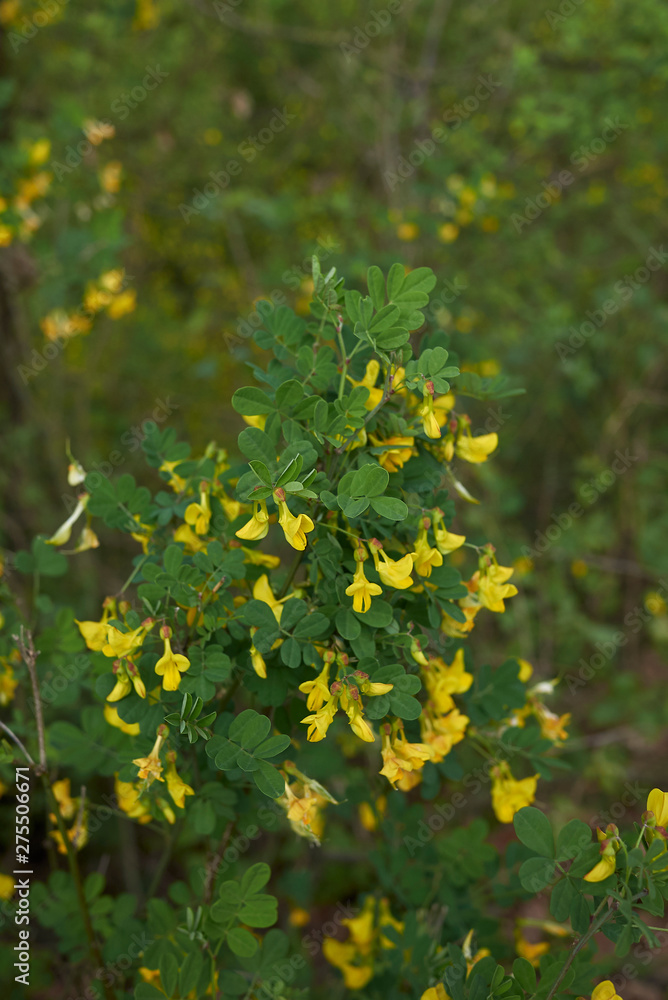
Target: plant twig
pixel 12 735
pixel 29 656
pixel 215 861
pixel 598 920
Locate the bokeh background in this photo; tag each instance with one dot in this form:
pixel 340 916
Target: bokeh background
pixel 208 149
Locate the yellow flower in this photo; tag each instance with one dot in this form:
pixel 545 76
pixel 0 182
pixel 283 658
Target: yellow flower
pixel 7 685
pixel 361 590
pixel 110 176
pixel 257 662
pixel 114 719
pixel 176 786
pixel 198 515
pixel 397 451
pixel 369 382
pixel 262 592
pixel 258 526
pixel 430 424
pixel 442 680
pixel 425 557
pixel 320 721
pixel 530 950
pixel 6 886
pixel 61 793
pixel 129 801
pixel 392 573
pixel 657 802
pixel 123 685
pixel 441 732
pixel 492 588
pixel 509 794
pixel 476 449
pixel 294 527
pixel 526 670
pixel 123 304
pixel 408 231
pixel 342 956
pixel 150 768
pixel 399 756
pixel 605 991
pixel 317 690
pixel 257 558
pixel 446 542
pixel 552 727
pixel 171 665
pixel 606 866
pixel 62 535
pixel 120 644
pixel 185 534
pixel 259 420
pixel 436 992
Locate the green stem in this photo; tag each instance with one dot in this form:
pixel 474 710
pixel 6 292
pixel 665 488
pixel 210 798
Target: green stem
pixel 291 574
pixel 164 860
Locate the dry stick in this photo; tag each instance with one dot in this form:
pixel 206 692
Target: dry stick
pixel 14 737
pixel 29 656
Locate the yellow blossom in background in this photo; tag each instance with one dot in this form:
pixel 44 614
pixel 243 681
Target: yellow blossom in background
pixel 526 670
pixel 446 541
pixel 530 950
pixel 129 801
pixel 408 231
pixel 6 886
pixel 491 586
pixel 61 793
pixel 97 131
pixel 448 232
pixel 193 543
pixel 441 732
pixel 430 424
pixel 40 152
pixel 442 680
pixel 110 176
pixel 7 684
pixel 510 794
pixel 122 304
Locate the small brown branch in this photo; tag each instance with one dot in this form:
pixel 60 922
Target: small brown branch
pixel 29 656
pixel 215 861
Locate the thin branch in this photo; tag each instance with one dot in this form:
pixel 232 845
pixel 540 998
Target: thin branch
pixel 14 737
pixel 29 656
pixel 215 861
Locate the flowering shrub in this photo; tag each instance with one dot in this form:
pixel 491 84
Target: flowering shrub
pixel 291 656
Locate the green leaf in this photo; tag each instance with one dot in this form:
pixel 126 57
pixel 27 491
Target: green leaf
pixel 249 728
pixel 395 510
pixel 256 445
pixel 255 878
pixel 261 471
pixel 369 481
pixel 251 401
pixel 289 394
pixel 190 972
pixel 525 974
pixel 268 780
pixel 572 839
pixel 404 705
pixel 145 991
pixel 376 285
pixel 347 625
pixel 561 899
pixel 241 942
pixel 272 746
pixel 169 972
pixel 291 653
pixel 379 615
pixel 533 829
pixel 536 874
